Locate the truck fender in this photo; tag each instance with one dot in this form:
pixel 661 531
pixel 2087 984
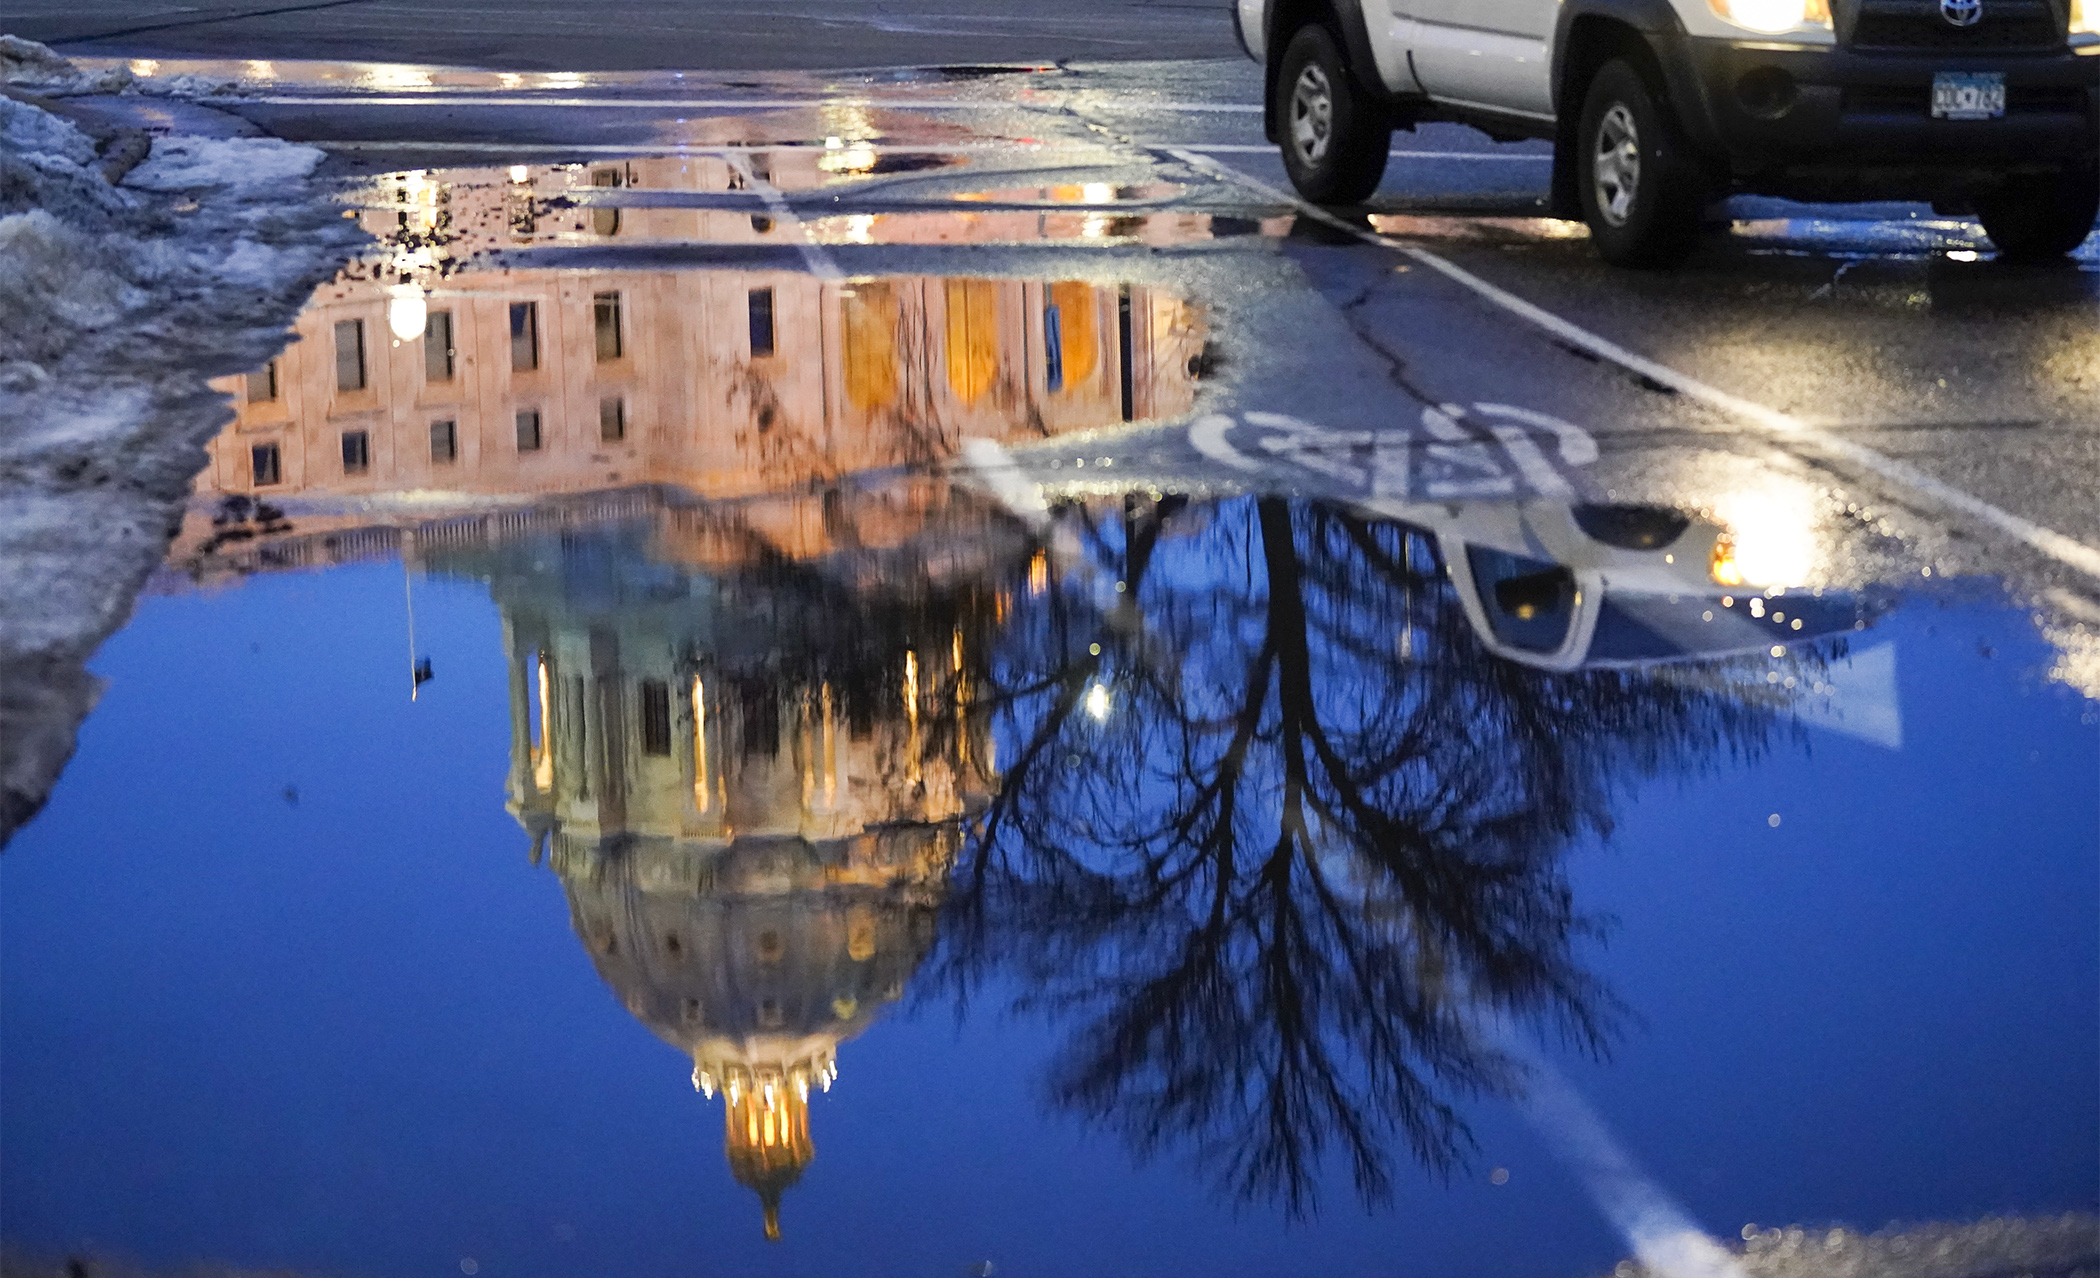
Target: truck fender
pixel 1285 17
pixel 1239 29
pixel 1656 24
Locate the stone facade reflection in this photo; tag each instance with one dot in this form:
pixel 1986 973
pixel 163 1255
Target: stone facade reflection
pixel 421 378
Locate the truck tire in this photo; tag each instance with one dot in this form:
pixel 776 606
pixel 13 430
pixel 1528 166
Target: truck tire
pixel 2037 218
pixel 1642 191
pixel 1334 139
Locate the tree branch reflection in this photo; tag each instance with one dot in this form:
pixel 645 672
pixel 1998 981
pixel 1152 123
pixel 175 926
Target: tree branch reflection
pixel 1280 832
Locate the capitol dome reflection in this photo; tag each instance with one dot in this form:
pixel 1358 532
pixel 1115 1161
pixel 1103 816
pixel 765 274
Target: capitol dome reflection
pixel 750 767
pixel 757 959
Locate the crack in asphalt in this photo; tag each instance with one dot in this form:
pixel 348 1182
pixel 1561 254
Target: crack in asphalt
pixel 205 21
pixel 1395 363
pixel 1609 442
pixel 1639 379
pixel 1831 286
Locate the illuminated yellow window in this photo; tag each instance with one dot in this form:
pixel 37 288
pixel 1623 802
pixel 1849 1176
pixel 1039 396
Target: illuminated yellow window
pixel 702 788
pixel 1079 333
pixel 869 324
pixel 973 337
pixel 542 754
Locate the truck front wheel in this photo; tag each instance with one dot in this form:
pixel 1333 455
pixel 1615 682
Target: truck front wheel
pixel 2037 218
pixel 1334 140
pixel 1642 192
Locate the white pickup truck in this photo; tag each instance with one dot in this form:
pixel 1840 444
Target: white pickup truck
pixel 1655 108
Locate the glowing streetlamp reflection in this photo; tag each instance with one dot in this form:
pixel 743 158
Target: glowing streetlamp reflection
pixel 1771 539
pixel 407 312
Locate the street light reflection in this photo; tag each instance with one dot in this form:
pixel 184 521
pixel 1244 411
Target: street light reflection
pixel 858 158
pixel 407 312
pixel 385 75
pixel 1771 535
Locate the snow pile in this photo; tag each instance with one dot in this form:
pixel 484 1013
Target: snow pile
pixel 43 140
pixel 120 302
pixel 34 68
pixel 2065 1246
pixel 25 64
pixel 243 164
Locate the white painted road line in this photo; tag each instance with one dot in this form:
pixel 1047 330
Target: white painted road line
pixel 1577 446
pixel 1532 464
pixel 1663 1235
pixel 813 254
pixel 1269 148
pixel 993 466
pixel 1207 434
pixel 1388 453
pixel 2065 550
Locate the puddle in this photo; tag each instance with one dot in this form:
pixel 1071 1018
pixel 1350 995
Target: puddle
pixel 1226 828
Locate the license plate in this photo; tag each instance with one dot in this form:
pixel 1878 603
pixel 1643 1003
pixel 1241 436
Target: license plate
pixel 1968 95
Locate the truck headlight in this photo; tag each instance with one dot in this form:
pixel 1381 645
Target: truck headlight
pixel 1772 17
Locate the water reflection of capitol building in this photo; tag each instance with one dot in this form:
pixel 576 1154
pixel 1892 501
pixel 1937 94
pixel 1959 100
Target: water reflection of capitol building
pixel 537 381
pixel 751 787
pixel 741 732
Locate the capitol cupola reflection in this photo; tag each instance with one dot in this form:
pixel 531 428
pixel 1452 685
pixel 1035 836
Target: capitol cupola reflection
pixel 750 772
pixel 766 1125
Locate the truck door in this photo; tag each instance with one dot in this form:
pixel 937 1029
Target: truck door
pixel 1490 53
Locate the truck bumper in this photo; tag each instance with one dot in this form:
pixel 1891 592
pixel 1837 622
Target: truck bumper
pixel 1774 113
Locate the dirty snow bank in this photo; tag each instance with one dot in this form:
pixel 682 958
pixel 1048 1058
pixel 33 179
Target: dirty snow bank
pixel 2066 1246
pixel 35 68
pixel 120 302
pixel 185 164
pixel 25 64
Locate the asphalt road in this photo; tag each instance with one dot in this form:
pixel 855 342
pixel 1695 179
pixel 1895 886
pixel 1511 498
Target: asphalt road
pixel 729 35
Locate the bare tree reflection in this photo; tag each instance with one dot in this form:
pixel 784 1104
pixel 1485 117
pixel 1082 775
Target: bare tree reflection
pixel 1276 849
pixel 1256 815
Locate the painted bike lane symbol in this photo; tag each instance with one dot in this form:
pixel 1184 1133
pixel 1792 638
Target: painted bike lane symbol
pixel 1482 450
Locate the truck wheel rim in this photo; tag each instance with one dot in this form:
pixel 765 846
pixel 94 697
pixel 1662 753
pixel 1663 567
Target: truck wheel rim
pixel 1615 169
pixel 1312 115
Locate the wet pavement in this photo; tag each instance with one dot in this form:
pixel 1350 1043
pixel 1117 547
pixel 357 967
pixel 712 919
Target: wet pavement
pixel 1077 716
